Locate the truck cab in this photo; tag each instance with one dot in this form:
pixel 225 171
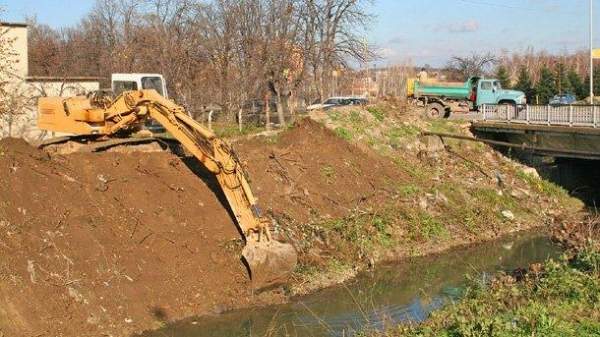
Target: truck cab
pixel 127 82
pixel 490 91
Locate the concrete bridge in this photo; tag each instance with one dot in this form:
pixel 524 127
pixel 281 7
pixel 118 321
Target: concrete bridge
pixel 556 131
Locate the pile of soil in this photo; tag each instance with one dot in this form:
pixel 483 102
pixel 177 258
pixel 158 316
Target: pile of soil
pixel 308 173
pixel 113 243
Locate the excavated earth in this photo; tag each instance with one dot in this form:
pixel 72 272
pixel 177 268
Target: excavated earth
pixel 108 244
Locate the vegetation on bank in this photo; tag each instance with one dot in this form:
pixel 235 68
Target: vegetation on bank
pixel 457 192
pixel 560 298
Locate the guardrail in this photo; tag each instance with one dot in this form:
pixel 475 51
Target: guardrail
pixel 563 115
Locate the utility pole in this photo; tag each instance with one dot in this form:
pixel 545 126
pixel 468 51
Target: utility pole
pixel 591 51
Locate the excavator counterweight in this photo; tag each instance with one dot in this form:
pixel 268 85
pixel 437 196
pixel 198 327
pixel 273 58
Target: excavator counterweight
pixel 270 262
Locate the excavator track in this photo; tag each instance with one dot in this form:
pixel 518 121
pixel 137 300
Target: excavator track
pixel 93 144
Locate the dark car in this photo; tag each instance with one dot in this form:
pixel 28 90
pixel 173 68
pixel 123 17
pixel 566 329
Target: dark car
pixel 563 99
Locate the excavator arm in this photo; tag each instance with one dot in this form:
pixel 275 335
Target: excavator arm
pixel 269 261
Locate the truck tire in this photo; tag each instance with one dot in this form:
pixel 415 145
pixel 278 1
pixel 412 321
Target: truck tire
pixel 435 110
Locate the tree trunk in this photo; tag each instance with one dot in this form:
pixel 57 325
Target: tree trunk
pixel 267 101
pixel 292 103
pixel 280 112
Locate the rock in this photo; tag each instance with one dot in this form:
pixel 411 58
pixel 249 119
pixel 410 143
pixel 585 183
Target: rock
pixel 531 172
pixel 76 295
pixel 517 194
pixel 440 198
pixel 508 215
pixel 500 180
pixel 432 144
pixel 31 271
pixel 93 320
pixel 423 203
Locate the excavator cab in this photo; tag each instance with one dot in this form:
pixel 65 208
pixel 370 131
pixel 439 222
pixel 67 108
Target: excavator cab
pixel 131 82
pixel 141 81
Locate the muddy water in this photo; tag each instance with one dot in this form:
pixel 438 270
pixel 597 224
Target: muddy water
pixel 406 291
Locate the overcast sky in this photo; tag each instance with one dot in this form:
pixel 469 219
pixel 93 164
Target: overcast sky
pixel 424 31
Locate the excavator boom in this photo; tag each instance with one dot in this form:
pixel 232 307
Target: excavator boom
pixel 270 262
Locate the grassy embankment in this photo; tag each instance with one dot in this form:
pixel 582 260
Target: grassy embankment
pixel 458 195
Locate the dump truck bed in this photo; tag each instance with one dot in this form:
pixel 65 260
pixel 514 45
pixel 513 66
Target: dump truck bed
pixel 441 89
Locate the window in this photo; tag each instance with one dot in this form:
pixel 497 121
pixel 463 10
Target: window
pixel 498 85
pixel 153 83
pixel 486 85
pixel 120 86
pixel 332 101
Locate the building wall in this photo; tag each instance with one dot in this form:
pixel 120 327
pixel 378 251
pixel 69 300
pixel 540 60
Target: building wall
pixel 17 33
pixel 24 91
pixel 24 123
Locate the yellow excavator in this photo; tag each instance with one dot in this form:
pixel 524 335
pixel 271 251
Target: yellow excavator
pixel 269 261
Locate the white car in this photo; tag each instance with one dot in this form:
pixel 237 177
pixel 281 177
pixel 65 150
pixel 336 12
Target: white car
pixel 338 101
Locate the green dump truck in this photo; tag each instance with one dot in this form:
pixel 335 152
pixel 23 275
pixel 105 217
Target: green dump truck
pixel 444 98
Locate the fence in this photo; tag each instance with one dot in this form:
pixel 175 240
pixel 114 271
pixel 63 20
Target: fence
pixel 563 115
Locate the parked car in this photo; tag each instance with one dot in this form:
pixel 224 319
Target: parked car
pixel 338 101
pixel 563 99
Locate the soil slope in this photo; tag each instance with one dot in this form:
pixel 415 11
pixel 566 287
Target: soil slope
pixel 114 243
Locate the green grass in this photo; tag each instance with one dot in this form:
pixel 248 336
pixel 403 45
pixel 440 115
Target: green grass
pixel 563 300
pixel 361 231
pixel 396 135
pixel 407 191
pixel 328 172
pixel 377 113
pixel 344 133
pixel 424 226
pixel 543 186
pixel 230 130
pixel 443 126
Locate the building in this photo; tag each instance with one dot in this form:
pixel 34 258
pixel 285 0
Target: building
pixel 24 90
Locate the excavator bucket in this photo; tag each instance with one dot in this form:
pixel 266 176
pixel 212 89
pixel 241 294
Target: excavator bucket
pixel 270 262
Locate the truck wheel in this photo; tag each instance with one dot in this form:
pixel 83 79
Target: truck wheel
pixel 435 110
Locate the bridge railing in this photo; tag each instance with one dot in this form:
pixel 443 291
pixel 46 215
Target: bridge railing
pixel 563 115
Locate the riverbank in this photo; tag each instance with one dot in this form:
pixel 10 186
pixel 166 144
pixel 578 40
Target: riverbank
pixel 556 298
pixel 116 243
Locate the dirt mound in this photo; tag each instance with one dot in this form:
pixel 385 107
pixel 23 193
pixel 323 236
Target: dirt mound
pixel 111 243
pixel 309 173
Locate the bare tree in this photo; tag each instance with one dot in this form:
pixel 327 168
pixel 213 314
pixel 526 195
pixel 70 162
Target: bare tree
pixel 472 65
pixel 227 52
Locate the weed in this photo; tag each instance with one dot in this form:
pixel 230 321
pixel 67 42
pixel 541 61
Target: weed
pixel 397 134
pixel 542 186
pixel 413 169
pixel 363 231
pixel 443 126
pixel 377 113
pixel 355 117
pixel 424 226
pixel 343 133
pixel 408 191
pixel 228 131
pixel 328 172
pixel 334 115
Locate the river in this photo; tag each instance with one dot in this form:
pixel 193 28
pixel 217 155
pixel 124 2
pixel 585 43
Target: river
pixel 405 291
